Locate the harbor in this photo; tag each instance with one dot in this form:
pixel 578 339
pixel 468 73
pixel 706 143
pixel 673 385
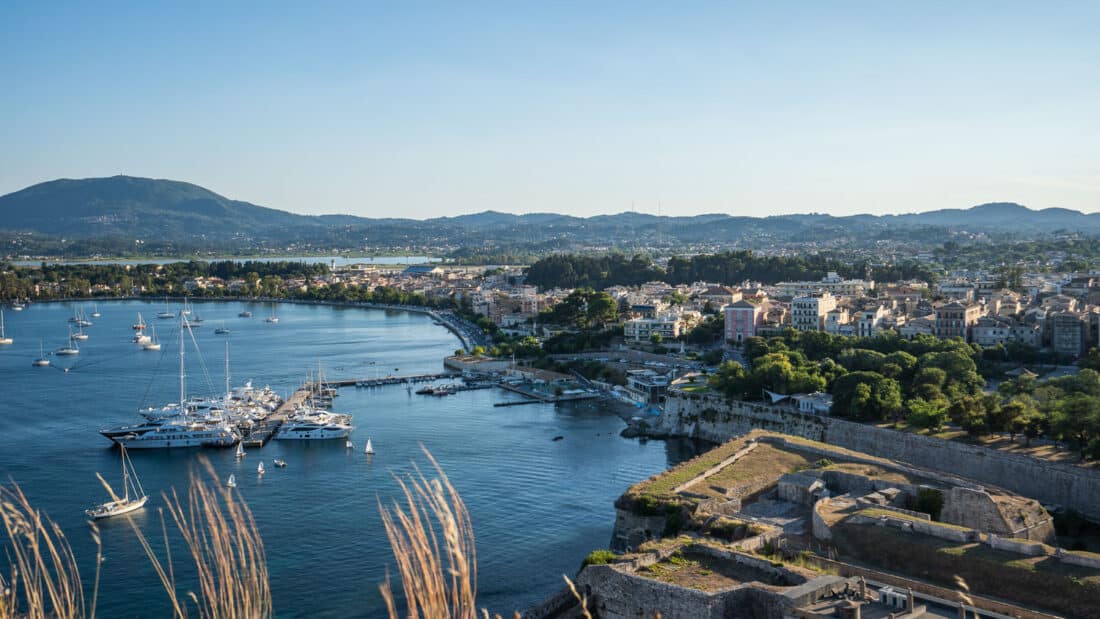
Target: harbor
pixel 323 483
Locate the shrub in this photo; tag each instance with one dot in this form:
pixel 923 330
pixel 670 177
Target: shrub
pixel 599 557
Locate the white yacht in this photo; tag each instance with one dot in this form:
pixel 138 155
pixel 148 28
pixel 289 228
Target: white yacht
pixel 184 428
pixel 313 430
pixel 127 503
pixel 4 339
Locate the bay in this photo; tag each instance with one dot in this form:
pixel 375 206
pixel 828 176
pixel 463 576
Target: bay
pixel 538 506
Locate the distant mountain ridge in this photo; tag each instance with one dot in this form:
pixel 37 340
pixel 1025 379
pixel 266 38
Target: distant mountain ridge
pixel 126 206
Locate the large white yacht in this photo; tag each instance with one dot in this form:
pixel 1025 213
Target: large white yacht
pixel 312 430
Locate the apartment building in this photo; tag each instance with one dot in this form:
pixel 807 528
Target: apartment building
pixel 808 312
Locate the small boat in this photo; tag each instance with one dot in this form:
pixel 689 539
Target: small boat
pixel 231 482
pixel 260 469
pixel 17 307
pixel 272 318
pixel 369 449
pixel 166 313
pixel 41 361
pixel 280 463
pixel 153 343
pixel 4 340
pixel 80 335
pixel 221 330
pixel 425 390
pixel 68 351
pixel 95 311
pixel 245 314
pixel 139 325
pixel 126 504
pixel 349 445
pixel 240 451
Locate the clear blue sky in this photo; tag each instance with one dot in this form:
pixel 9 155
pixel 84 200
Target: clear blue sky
pixel 420 109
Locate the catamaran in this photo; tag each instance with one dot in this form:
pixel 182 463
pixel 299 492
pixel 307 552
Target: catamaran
pixel 41 361
pixel 4 340
pixel 127 503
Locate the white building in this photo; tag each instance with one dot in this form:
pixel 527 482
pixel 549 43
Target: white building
pixel 808 312
pixel 831 283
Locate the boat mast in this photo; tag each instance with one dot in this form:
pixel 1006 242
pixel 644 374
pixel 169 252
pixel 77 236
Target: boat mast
pixel 228 391
pixel 183 384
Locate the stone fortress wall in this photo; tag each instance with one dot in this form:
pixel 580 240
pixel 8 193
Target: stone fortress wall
pixel 714 418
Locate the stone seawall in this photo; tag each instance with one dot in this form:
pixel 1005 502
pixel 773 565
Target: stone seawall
pixel 716 419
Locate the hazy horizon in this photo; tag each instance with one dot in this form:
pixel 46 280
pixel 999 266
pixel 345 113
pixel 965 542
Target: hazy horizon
pixel 424 110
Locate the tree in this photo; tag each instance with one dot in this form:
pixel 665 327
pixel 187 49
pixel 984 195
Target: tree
pixel 970 414
pixel 656 338
pixel 929 415
pixel 879 401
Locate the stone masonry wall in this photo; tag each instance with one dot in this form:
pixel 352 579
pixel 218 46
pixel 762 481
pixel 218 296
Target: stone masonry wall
pixel 715 419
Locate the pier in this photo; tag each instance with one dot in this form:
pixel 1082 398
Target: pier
pixel 262 433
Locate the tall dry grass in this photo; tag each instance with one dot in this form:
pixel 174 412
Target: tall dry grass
pixel 43 579
pixel 433 543
pixel 221 539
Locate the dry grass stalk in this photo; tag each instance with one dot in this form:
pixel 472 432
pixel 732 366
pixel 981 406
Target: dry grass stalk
pixel 438 570
pixel 225 545
pixel 44 575
pixel 583 599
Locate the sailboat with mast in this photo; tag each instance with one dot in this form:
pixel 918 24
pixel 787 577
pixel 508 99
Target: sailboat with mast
pixel 42 361
pixel 4 339
pixel 95 311
pixel 127 503
pixel 166 314
pixel 153 343
pixel 272 318
pixel 68 351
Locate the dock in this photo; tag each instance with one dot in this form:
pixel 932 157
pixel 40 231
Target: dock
pixel 391 380
pixel 261 434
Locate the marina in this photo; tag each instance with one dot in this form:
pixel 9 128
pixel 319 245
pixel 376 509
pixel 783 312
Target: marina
pixel 486 453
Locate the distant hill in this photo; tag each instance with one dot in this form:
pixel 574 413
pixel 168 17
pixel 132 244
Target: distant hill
pixel 182 215
pixel 137 207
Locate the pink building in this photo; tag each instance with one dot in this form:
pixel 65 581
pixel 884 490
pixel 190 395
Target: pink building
pixel 742 320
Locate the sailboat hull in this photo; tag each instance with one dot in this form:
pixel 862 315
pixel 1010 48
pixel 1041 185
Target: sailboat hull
pixel 116 508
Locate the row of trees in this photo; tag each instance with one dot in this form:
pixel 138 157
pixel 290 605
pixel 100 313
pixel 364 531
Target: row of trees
pixel 573 270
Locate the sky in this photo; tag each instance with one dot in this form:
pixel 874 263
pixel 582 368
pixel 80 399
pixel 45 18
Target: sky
pixel 420 109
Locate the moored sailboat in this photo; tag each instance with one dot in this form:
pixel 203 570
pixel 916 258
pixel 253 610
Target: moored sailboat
pixel 369 449
pixel 42 361
pixel 127 503
pixel 4 339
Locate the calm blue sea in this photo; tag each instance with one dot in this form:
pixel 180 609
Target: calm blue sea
pixel 538 506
